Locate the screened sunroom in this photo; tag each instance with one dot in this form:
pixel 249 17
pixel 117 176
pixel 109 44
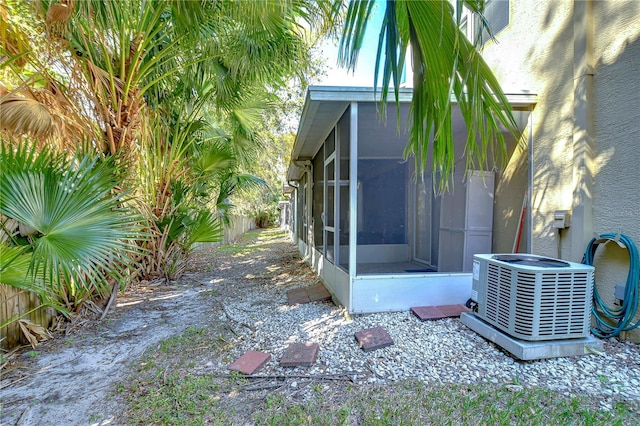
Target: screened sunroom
pixel 380 238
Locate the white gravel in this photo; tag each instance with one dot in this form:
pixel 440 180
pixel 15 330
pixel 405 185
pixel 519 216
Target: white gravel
pixel 73 379
pixel 442 351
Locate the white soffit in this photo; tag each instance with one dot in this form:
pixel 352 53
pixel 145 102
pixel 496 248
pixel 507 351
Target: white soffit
pixel 324 105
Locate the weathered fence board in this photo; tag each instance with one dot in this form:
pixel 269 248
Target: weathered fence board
pixel 14 304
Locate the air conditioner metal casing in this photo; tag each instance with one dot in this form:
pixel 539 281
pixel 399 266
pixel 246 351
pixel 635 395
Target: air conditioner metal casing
pixel 532 302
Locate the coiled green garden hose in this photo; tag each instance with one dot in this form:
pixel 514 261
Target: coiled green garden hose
pixel 604 315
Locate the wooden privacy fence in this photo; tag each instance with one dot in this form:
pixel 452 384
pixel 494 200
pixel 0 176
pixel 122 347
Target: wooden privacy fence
pixel 16 303
pixel 239 225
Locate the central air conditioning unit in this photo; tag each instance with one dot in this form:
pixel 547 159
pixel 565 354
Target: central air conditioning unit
pixel 531 297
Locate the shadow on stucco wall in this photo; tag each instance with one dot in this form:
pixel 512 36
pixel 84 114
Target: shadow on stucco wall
pixel 586 135
pixel 617 123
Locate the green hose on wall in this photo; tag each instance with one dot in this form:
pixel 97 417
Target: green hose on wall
pixel 622 317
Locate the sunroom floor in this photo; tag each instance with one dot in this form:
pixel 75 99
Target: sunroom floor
pixel 393 268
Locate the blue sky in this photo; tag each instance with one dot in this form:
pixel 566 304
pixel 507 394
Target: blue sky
pixel 364 72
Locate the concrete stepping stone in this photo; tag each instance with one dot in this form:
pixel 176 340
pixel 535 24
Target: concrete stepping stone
pixel 318 293
pixel 314 293
pixel 299 354
pixel 250 362
pixel 297 296
pixel 373 338
pixel 438 312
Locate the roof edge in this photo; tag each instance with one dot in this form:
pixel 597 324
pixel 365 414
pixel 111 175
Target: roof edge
pixel 354 94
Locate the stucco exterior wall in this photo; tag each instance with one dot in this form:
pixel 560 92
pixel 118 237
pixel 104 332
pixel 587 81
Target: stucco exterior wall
pixel 582 59
pixel 510 191
pixel 535 53
pixel 617 129
pixel 617 117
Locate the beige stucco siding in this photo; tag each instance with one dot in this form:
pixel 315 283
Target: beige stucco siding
pixel 617 125
pixel 535 53
pixel 617 118
pixel 582 59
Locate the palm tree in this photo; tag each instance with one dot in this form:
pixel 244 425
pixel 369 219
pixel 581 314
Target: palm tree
pixel 131 52
pixel 77 238
pixel 187 173
pixel 445 64
pixel 112 72
pixel 33 99
pixel 133 61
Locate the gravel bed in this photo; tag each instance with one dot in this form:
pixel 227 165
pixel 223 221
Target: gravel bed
pixel 440 352
pixel 72 379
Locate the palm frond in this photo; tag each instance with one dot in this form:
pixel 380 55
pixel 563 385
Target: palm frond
pixel 33 332
pixel 15 272
pixel 213 159
pixel 231 184
pixel 207 228
pixel 447 69
pixel 22 115
pixel 353 33
pixel 14 269
pixel 39 108
pixel 17 36
pixel 84 232
pixel 60 12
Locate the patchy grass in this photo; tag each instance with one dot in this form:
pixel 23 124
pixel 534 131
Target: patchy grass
pixel 237 250
pixel 167 387
pixel 414 403
pixel 250 237
pixel 273 234
pixel 252 242
pixel 180 400
pixel 173 387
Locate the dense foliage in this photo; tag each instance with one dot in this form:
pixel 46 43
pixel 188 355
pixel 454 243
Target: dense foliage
pixel 129 128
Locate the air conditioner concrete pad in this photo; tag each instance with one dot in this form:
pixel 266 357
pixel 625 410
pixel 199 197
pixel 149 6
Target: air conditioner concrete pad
pixel 438 312
pixel 373 338
pixel 299 354
pixel 525 350
pixel 250 362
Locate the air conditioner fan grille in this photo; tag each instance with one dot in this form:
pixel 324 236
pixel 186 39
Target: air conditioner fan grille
pixel 540 305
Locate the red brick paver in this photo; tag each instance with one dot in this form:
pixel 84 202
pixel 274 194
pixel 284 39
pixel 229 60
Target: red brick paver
pixel 438 312
pixel 297 296
pixel 314 293
pixel 373 338
pixel 250 362
pixel 299 354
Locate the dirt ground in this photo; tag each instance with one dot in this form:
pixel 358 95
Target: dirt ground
pixel 130 368
pixel 71 379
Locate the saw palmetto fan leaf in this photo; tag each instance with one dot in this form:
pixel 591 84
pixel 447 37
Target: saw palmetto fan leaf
pixel 83 232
